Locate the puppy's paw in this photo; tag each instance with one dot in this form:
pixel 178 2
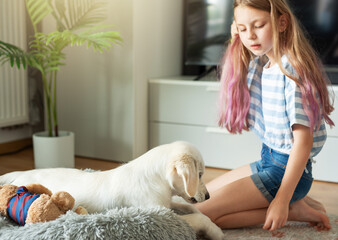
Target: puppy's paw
pixel 217 234
pixel 214 232
pixel 184 208
pixel 203 225
pixel 81 210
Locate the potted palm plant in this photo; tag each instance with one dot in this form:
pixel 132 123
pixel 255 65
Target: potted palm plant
pixel 78 23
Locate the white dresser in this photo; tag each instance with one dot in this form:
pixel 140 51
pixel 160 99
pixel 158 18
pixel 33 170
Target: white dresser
pixel 183 109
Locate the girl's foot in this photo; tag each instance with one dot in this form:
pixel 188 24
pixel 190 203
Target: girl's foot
pixel 302 212
pixel 315 204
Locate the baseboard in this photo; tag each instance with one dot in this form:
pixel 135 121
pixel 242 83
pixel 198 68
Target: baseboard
pixel 12 147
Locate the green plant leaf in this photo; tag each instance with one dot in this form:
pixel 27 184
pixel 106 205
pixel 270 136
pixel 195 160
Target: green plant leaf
pixel 37 10
pixel 49 56
pixel 77 14
pixel 15 55
pixel 98 41
pixel 62 21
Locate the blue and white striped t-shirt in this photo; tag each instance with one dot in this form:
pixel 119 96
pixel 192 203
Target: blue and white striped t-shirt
pixel 276 105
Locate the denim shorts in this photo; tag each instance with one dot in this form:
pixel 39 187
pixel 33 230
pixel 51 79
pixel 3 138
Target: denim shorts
pixel 267 174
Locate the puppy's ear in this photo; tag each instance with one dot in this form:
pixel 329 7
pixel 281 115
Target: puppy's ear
pixel 186 168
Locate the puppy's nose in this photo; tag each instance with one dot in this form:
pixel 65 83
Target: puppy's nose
pixel 207 196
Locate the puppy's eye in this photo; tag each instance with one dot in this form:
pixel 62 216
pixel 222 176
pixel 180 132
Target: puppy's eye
pixel 200 175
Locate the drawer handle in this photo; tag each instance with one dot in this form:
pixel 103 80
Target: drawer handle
pixel 216 130
pixel 212 89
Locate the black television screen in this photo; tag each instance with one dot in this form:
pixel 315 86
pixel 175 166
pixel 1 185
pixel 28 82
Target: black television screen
pixel 207 28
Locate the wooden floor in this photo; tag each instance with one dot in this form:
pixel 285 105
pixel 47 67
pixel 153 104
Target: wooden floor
pixel 325 192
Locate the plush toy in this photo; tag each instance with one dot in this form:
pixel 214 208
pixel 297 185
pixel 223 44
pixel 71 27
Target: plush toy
pixel 34 203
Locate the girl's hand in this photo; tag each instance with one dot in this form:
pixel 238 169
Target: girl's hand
pixel 277 215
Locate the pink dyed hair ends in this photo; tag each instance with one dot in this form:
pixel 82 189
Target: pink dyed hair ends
pixel 314 95
pixel 234 98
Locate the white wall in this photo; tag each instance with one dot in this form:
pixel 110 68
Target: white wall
pixel 157 52
pixel 103 97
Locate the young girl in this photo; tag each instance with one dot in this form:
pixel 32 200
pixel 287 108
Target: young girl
pixel 271 83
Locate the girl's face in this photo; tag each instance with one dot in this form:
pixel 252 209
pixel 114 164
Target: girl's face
pixel 255 30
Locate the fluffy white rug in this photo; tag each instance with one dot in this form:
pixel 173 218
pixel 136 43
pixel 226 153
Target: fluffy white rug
pixel 149 224
pixel 125 223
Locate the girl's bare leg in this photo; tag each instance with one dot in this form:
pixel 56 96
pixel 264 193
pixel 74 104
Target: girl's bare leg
pixel 245 171
pixel 236 202
pixel 299 211
pixel 242 219
pixel 237 196
pixel 229 177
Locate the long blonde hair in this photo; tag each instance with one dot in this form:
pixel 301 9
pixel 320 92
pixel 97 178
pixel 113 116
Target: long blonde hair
pixel 312 80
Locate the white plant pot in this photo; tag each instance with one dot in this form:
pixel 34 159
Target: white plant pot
pixel 51 152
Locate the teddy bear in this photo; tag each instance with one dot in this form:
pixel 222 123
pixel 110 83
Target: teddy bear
pixel 34 203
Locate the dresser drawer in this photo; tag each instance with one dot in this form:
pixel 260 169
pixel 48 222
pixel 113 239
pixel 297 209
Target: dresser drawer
pixel 333 132
pixel 185 102
pixel 326 166
pixel 218 148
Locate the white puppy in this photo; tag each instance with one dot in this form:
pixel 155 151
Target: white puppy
pixel 150 180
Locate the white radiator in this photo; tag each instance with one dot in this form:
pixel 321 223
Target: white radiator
pixel 13 82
